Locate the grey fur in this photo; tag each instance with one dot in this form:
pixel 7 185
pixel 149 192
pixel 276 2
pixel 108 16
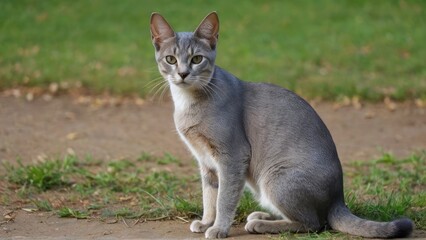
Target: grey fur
pixel 256 134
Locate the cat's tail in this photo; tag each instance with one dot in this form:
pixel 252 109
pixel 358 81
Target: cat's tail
pixel 340 218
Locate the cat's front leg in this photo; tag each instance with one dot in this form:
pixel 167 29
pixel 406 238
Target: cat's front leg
pixel 231 184
pixel 210 185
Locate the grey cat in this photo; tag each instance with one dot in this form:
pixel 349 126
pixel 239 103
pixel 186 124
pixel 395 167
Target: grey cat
pixel 258 135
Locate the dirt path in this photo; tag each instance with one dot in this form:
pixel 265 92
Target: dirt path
pixel 30 130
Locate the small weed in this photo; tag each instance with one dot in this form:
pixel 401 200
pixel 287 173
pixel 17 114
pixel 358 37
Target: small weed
pixel 189 208
pixel 42 205
pixel 118 166
pixel 66 212
pixel 145 157
pixel 122 212
pixel 167 159
pixel 43 176
pixel 95 206
pixel 247 205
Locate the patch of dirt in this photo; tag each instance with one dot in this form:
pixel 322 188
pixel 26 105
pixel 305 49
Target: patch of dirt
pixel 38 128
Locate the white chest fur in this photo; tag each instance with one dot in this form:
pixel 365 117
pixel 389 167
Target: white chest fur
pixel 198 144
pixel 200 151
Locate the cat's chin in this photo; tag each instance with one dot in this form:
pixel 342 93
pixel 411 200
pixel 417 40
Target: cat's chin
pixel 182 84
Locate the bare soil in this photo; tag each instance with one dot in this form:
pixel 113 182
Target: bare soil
pixel 34 129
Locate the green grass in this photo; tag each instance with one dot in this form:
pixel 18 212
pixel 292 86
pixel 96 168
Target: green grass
pixel 324 49
pixel 389 188
pixel 381 189
pixel 151 193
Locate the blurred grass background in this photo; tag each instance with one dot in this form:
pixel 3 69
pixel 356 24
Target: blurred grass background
pixel 320 49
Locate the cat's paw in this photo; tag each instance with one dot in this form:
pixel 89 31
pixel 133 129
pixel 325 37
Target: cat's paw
pixel 259 215
pixel 216 232
pixel 255 226
pixel 198 226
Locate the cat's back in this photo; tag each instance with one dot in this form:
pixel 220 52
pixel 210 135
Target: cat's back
pixel 279 121
pixel 278 104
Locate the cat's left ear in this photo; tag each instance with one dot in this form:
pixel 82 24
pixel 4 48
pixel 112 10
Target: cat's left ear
pixel 209 29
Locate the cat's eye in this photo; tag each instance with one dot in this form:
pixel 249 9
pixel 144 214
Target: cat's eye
pixel 196 59
pixel 171 60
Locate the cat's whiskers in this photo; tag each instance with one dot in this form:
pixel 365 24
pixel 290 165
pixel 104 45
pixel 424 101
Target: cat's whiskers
pixel 156 87
pixel 153 82
pixel 162 86
pixel 212 86
pixel 165 88
pixel 217 86
pixel 153 85
pixel 208 89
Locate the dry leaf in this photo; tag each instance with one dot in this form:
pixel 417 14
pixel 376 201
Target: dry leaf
pixel 139 101
pixel 419 103
pixel 111 220
pixel 16 93
pixel 125 198
pixel 390 105
pixel 53 87
pixel 369 115
pixel 356 103
pixel 9 215
pixel 30 210
pixel 72 136
pixel 70 151
pixel 29 97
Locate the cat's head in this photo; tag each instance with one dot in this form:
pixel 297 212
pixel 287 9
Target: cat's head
pixel 185 59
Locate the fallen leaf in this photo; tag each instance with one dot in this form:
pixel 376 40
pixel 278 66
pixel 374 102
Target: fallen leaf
pixel 139 101
pixel 72 136
pixel 16 93
pixel 30 210
pixel 9 215
pixel 71 151
pixel 53 87
pixel 29 97
pixel 356 103
pixel 125 198
pixel 390 105
pixel 369 115
pixel 111 221
pixel 419 103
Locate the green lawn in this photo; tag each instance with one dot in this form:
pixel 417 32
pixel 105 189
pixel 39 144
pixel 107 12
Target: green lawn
pixel 325 49
pixel 380 189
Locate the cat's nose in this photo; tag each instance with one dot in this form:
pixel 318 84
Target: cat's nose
pixel 183 75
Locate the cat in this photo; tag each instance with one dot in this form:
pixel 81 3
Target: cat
pixel 254 134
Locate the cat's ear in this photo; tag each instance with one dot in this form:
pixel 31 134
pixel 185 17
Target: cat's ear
pixel 160 30
pixel 209 29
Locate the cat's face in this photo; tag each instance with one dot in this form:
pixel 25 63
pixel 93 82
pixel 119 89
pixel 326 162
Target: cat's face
pixel 185 59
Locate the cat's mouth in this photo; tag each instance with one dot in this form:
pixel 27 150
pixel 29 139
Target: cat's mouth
pixel 181 83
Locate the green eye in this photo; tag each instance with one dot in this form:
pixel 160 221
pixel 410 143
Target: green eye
pixel 197 59
pixel 171 60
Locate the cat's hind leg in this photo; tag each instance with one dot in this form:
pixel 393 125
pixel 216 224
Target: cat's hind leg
pixel 274 226
pixel 260 222
pixel 260 216
pixel 291 203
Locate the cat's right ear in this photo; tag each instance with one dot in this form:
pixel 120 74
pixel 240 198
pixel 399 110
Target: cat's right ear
pixel 160 30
